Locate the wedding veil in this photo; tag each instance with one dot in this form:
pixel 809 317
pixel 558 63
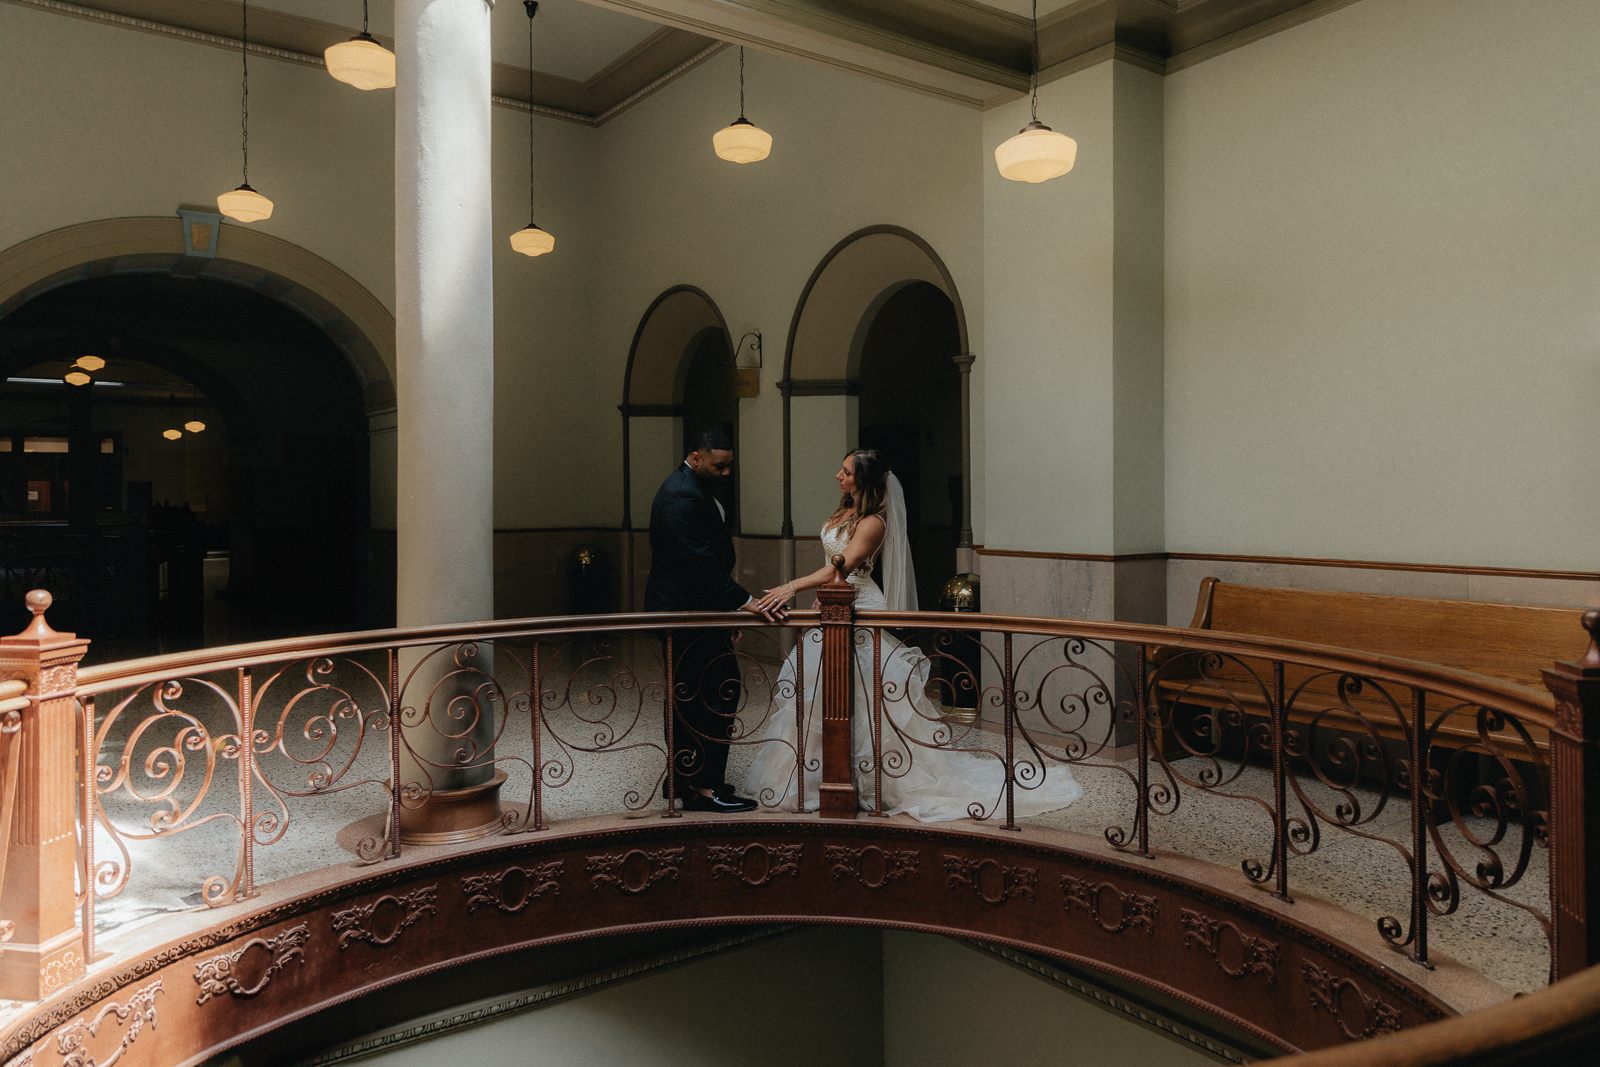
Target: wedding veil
pixel 899 578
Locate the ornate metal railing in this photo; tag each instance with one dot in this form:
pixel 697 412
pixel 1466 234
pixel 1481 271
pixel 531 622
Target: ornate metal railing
pixel 257 755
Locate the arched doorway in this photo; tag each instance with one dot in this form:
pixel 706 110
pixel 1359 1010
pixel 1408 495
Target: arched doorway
pixel 910 411
pixel 878 357
pixel 271 503
pixel 679 380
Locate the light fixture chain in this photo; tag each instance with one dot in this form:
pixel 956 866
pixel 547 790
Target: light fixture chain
pixel 363 16
pixel 532 10
pixel 1035 78
pixel 741 81
pixel 244 102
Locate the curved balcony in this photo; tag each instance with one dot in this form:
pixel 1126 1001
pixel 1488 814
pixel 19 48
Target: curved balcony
pixel 1295 840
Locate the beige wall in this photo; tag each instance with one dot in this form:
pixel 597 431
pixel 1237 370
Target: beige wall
pixel 1382 321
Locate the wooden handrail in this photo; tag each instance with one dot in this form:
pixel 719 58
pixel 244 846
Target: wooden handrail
pixel 1553 1026
pixel 1536 705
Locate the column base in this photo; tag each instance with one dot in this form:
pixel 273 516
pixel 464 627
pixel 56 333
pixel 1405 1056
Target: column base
pixel 34 972
pixel 454 815
pixel 837 801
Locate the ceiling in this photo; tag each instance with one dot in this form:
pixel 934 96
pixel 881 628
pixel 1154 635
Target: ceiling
pixel 594 59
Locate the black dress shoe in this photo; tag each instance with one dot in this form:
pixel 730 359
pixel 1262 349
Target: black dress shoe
pixel 730 805
pixel 724 791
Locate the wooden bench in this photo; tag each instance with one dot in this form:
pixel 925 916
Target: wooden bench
pixel 1512 642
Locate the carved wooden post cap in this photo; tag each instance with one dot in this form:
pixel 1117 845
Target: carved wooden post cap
pixel 1591 623
pixel 39 601
pixel 838 571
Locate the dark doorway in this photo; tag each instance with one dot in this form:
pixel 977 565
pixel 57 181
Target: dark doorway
pixel 911 412
pixel 710 403
pixel 225 444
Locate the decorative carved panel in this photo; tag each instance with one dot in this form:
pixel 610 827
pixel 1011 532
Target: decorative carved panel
pixel 1133 909
pixel 754 864
pixel 216 976
pixel 356 924
pixel 1257 954
pixel 636 870
pixel 994 883
pixel 514 888
pixel 71 1038
pixel 873 867
pixel 1328 992
pixel 833 613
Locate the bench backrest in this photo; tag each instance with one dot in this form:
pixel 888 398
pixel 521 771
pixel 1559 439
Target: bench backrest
pixel 1508 641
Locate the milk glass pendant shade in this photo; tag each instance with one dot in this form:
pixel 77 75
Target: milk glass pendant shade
pixel 244 204
pixel 77 377
pixel 172 435
pixel 742 141
pixel 90 363
pixel 195 426
pixel 1037 154
pixel 362 62
pixel 530 240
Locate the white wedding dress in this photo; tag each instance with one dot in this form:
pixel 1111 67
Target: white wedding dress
pixel 920 779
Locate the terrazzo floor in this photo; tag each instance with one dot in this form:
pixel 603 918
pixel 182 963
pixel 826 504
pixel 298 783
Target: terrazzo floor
pixel 166 871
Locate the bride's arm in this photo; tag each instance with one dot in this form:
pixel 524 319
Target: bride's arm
pixel 863 543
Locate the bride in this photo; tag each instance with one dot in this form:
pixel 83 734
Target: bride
pixel 921 779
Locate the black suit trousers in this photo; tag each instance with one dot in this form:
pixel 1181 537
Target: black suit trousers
pixel 706 693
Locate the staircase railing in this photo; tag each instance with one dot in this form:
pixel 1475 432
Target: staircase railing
pixel 256 753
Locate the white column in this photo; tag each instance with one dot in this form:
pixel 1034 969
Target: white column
pixel 444 297
pixel 444 333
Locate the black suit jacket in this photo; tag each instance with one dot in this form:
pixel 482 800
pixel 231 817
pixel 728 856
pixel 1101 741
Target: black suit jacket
pixel 691 550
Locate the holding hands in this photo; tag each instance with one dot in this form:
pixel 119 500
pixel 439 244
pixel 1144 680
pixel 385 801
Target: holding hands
pixel 777 600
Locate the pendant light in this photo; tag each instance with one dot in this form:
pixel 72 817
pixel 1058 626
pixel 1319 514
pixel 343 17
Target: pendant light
pixel 244 203
pixel 1037 153
pixel 172 435
pixel 742 141
pixel 530 240
pixel 361 61
pixel 90 363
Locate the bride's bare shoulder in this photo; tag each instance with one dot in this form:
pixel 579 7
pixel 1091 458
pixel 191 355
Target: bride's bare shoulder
pixel 870 528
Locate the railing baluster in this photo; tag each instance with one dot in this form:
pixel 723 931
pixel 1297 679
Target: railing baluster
pixel 86 806
pixel 668 710
pixel 1280 829
pixel 1141 743
pixel 800 723
pixel 394 753
pixel 247 766
pixel 1011 766
pixel 537 726
pixel 1419 829
pixel 877 721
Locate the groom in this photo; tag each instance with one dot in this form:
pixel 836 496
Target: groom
pixel 691 564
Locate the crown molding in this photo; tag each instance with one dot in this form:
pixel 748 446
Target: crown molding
pixel 646 68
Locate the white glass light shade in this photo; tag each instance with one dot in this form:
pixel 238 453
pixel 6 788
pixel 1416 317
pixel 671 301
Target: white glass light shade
pixel 90 363
pixel 172 435
pixel 245 205
pixel 742 142
pixel 532 241
pixel 361 62
pixel 1037 154
pixel 194 426
pixel 77 377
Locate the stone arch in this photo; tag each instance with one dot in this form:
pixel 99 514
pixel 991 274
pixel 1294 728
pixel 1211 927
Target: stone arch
pixel 822 358
pixel 355 320
pixel 669 332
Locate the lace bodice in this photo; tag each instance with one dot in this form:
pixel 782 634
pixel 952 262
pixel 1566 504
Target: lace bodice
pixel 868 596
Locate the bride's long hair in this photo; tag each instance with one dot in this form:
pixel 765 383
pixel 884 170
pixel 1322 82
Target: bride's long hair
pixel 872 492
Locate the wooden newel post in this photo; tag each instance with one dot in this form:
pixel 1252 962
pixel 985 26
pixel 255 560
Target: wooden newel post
pixel 1575 809
pixel 45 952
pixel 835 603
